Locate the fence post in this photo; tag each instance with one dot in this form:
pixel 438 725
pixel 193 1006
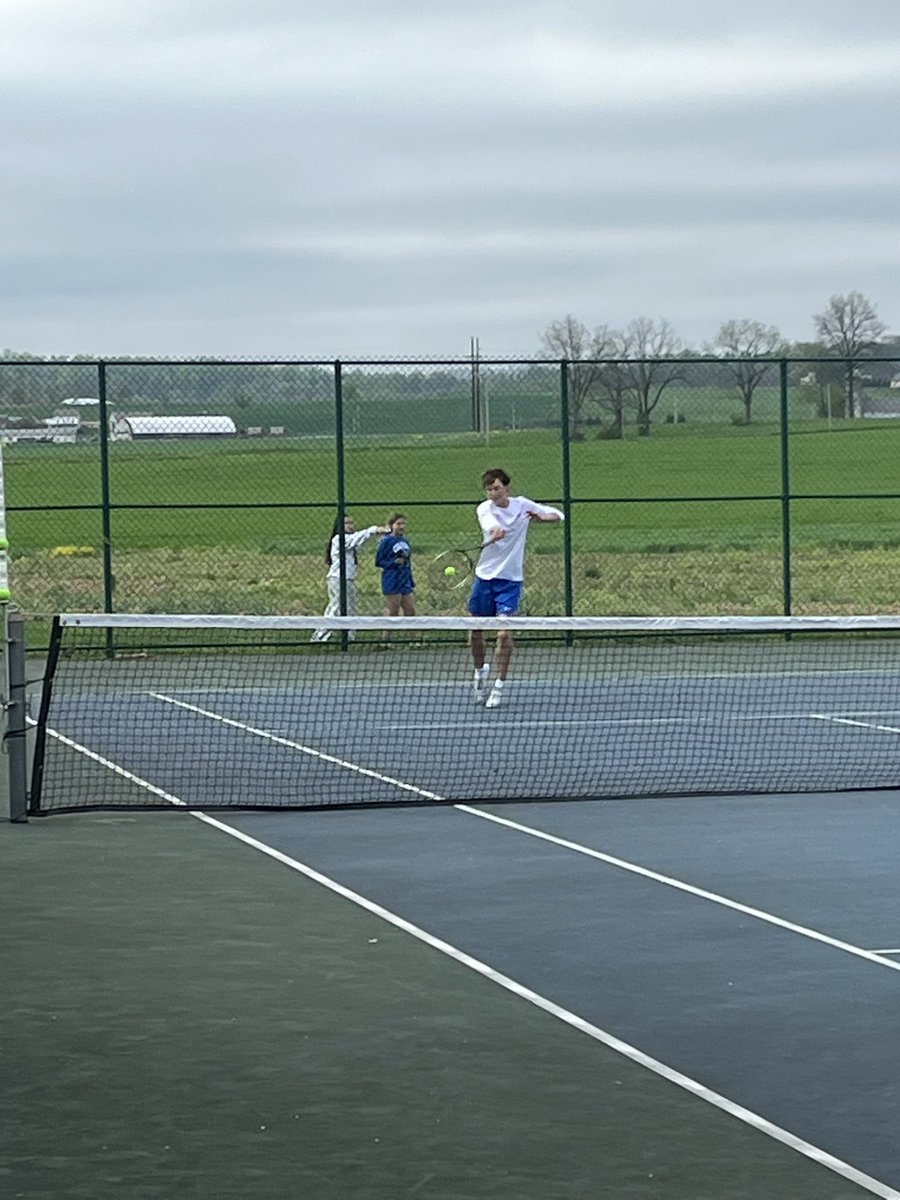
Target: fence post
pixel 567 485
pixel 786 581
pixel 109 580
pixel 341 491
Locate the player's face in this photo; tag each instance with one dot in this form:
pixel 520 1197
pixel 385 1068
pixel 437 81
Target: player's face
pixel 399 527
pixel 498 492
pixel 349 526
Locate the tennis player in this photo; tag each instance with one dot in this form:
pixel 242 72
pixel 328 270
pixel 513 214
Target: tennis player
pixel 352 541
pixel 499 575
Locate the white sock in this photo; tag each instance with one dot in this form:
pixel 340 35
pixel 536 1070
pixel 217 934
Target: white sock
pixel 481 673
pixel 498 684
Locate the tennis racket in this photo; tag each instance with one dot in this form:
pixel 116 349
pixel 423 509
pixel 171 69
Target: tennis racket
pixel 453 569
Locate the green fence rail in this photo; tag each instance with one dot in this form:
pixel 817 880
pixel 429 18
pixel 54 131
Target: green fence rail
pixel 691 485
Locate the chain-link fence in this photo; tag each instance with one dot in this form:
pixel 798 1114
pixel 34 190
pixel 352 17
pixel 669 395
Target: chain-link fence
pixel 691 486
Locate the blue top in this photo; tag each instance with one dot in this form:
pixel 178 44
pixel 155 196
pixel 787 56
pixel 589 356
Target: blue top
pixel 393 556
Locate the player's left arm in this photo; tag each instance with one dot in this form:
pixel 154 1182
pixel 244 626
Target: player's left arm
pixel 544 514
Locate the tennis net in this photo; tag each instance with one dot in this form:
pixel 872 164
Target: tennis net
pixel 249 712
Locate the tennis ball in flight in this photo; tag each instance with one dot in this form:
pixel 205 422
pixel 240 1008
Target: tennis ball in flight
pixel 449 570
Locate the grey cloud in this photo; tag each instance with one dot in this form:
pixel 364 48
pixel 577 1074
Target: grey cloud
pixel 244 211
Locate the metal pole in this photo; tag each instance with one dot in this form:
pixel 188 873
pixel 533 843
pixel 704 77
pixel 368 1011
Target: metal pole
pixel 475 354
pixel 341 492
pixel 785 491
pixel 16 733
pixel 109 582
pixel 567 487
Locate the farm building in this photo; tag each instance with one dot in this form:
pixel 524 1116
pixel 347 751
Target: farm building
pixel 137 428
pixel 880 407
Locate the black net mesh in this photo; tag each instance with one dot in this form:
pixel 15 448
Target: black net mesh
pixel 234 712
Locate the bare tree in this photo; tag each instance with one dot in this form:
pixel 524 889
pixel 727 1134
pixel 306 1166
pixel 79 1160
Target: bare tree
pixel 746 339
pixel 647 342
pixel 849 326
pixel 572 340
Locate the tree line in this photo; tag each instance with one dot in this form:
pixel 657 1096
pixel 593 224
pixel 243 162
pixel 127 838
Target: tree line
pixel 615 377
pixel 617 372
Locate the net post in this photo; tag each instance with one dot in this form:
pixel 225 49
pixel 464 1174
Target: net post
pixel 13 780
pixel 15 735
pixel 40 738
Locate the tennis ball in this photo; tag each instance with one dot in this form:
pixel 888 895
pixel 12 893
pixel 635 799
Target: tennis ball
pixel 449 570
pixel 4 544
pixel 4 594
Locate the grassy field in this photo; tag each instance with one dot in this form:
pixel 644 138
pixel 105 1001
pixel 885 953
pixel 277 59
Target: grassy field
pixel 670 523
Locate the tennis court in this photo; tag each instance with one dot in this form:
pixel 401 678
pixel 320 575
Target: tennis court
pixel 425 985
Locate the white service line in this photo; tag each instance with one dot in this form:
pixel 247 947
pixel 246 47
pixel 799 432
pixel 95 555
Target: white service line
pixel 292 745
pixel 530 831
pixel 858 724
pixel 693 719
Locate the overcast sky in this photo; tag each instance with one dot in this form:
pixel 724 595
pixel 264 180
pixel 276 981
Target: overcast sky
pixel 390 177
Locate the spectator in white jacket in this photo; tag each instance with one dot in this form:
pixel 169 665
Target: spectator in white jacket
pixel 352 541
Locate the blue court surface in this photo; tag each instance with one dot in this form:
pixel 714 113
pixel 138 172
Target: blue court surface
pixel 750 945
pixel 745 947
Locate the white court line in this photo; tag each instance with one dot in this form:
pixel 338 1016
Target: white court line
pixel 697 719
pixel 292 745
pixel 747 1116
pixel 858 724
pixel 680 886
pixel 575 847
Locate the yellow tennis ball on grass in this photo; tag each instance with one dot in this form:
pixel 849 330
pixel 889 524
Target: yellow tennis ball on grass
pixel 449 570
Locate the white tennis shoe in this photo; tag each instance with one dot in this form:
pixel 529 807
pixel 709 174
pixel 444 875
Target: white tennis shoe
pixel 480 682
pixel 493 700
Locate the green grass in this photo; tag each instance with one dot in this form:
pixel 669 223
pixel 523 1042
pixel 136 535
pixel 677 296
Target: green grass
pixel 269 559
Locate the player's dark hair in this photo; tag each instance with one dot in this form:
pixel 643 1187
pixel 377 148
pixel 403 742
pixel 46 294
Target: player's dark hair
pixel 395 516
pixel 494 474
pixel 335 531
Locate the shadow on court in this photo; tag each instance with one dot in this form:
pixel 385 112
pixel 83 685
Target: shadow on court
pixel 185 1017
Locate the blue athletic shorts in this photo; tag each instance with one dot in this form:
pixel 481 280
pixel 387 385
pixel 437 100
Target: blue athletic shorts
pixel 495 597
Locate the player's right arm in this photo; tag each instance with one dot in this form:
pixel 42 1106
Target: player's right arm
pixel 491 531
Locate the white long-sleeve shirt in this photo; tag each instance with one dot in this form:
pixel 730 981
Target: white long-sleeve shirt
pixel 351 542
pixel 505 559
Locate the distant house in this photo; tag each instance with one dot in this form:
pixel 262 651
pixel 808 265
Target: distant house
pixel 895 380
pixel 34 433
pixel 63 429
pixel 808 378
pixel 126 429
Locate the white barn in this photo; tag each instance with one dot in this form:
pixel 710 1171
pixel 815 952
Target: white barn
pixel 136 428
